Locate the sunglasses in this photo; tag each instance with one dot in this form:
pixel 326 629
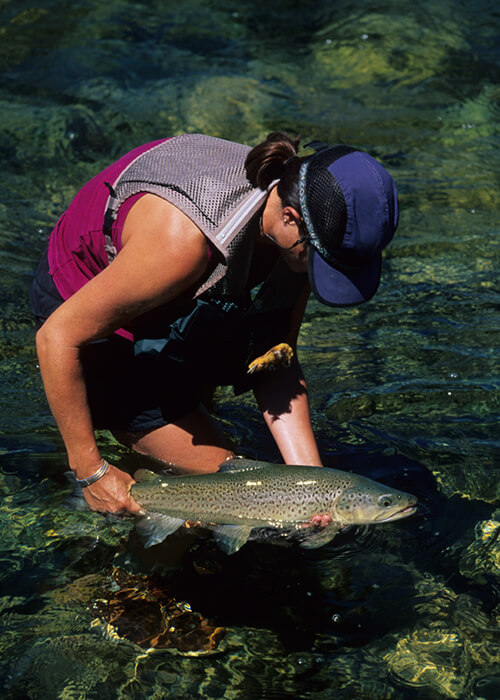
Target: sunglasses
pixel 302 239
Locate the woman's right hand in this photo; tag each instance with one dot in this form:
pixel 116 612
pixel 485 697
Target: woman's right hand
pixel 111 494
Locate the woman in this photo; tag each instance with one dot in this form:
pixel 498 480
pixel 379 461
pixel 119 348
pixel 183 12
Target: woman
pixel 144 295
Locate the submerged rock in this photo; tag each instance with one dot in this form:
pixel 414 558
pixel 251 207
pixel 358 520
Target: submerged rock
pixel 453 646
pixel 435 658
pixel 143 611
pixel 482 557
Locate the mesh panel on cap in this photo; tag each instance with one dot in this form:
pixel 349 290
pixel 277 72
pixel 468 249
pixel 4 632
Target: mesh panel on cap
pixel 325 200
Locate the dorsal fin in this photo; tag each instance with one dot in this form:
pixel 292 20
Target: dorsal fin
pixel 240 464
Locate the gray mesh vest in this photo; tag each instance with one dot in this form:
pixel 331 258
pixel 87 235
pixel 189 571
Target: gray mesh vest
pixel 205 178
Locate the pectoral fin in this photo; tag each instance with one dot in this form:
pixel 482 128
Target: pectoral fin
pixel 314 537
pixel 155 527
pixel 231 537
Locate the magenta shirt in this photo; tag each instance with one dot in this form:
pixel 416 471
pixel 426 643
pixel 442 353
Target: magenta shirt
pixel 76 245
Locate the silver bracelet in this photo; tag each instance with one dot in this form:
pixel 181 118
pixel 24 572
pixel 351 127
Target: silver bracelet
pixel 95 477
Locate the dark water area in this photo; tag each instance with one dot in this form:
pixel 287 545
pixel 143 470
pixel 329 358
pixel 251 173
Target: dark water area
pixel 404 389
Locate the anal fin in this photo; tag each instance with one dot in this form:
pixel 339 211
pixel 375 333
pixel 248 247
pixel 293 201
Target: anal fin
pixel 231 538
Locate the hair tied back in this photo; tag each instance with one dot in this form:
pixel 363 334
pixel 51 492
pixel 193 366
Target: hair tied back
pixel 268 160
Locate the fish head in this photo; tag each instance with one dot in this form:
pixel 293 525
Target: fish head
pixel 370 502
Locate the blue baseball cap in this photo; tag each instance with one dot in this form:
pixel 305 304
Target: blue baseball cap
pixel 349 204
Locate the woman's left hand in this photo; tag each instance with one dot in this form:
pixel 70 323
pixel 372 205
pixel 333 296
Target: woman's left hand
pixel 319 520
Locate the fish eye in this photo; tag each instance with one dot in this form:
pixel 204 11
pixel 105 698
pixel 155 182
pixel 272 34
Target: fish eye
pixel 385 501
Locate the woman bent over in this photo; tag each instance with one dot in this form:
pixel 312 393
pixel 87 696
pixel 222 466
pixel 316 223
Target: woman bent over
pixel 144 295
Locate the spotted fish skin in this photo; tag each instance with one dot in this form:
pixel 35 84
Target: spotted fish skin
pixel 246 494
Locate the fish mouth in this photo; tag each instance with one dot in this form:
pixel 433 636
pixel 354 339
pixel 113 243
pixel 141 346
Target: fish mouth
pixel 402 513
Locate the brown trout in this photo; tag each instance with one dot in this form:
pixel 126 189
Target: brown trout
pixel 246 494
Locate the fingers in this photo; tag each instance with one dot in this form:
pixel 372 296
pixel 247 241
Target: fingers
pixel 133 507
pixel 111 494
pixel 319 520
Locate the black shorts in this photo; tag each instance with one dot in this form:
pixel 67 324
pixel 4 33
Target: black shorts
pixel 126 391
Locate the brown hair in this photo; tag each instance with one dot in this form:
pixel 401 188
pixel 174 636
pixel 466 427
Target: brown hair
pixel 276 159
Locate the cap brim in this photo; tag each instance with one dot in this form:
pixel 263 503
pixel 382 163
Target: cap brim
pixel 343 287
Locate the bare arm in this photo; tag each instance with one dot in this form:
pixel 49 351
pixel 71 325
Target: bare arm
pixel 284 403
pixel 163 254
pixel 283 400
